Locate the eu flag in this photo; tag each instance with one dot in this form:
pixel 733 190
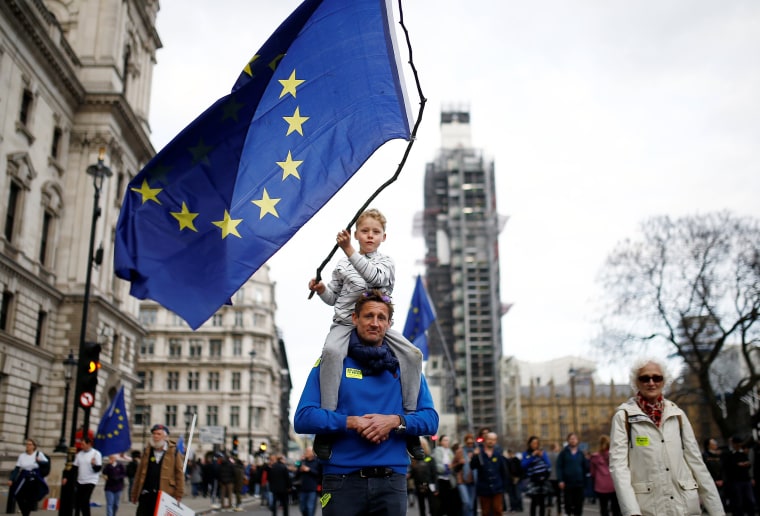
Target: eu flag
pixel 311 106
pixel 419 318
pixel 113 431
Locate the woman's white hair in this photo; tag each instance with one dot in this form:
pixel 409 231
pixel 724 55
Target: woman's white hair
pixel 639 364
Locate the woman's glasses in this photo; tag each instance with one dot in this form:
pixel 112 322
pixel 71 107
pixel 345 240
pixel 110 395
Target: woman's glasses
pixel 656 378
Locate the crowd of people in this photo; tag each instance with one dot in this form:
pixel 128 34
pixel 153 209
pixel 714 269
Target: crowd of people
pixel 649 464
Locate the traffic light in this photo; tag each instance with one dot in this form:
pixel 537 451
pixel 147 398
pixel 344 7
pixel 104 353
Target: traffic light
pixel 87 374
pixel 262 449
pixel 235 443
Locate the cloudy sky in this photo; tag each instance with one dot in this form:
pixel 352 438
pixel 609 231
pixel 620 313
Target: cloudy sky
pixel 597 114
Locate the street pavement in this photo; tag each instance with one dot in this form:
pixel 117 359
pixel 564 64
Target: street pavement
pixel 250 506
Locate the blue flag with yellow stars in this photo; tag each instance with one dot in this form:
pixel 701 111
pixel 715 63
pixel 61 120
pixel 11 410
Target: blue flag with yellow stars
pixel 113 431
pixel 421 315
pixel 311 106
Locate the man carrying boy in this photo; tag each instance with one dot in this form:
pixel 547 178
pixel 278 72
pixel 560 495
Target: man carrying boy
pixel 367 469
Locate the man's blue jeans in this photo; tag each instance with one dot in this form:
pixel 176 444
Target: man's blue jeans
pixel 307 502
pixel 352 495
pixel 112 502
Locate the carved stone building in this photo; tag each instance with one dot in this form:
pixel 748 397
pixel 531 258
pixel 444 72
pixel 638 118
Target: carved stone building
pixel 76 78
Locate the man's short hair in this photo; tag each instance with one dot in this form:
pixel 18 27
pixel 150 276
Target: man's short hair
pixel 377 296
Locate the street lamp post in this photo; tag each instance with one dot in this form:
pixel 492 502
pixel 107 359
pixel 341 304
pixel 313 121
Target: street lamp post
pixel 252 354
pixel 68 373
pixel 572 373
pixel 99 171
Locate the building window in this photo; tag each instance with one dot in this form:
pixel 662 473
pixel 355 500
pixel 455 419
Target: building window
pixel 140 380
pixel 14 197
pixel 172 381
pixel 27 99
pixel 5 310
pixel 258 320
pixel 142 415
pixel 175 348
pixel 193 380
pixel 235 381
pixel 192 409
pixel 215 348
pixel 258 417
pixel 171 415
pixel 39 335
pixel 239 318
pixel 216 320
pixel 55 146
pixel 196 348
pixel 146 347
pixel 147 316
pixel 237 346
pixel 213 381
pixel 234 416
pixel 47 220
pixel 212 415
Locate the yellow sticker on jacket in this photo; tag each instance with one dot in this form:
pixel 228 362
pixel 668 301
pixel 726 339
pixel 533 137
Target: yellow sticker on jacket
pixel 642 440
pixel 318 361
pixel 324 499
pixel 353 373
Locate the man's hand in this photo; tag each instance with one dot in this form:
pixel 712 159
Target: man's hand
pixel 373 427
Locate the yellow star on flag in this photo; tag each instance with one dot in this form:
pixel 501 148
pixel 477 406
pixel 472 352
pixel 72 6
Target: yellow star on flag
pixel 290 84
pixel 185 218
pixel 290 167
pixel 295 122
pixel 267 205
pixel 200 152
pixel 148 193
pixel 274 62
pixel 228 225
pixel 247 68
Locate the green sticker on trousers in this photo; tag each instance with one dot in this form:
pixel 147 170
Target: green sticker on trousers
pixel 325 499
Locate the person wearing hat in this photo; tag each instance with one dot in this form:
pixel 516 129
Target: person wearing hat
pixel 159 470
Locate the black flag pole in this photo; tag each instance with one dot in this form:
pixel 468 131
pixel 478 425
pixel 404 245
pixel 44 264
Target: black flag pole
pixel 412 138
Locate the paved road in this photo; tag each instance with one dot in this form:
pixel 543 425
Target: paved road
pixel 250 507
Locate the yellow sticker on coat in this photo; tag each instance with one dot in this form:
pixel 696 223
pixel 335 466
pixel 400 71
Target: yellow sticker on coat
pixel 642 440
pixel 353 373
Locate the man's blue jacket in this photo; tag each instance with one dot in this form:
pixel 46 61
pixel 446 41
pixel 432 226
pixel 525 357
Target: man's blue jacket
pixel 359 395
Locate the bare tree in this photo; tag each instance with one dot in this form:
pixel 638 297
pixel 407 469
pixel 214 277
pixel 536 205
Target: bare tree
pixel 692 284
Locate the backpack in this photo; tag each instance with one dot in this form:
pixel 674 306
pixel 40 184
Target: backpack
pixel 44 467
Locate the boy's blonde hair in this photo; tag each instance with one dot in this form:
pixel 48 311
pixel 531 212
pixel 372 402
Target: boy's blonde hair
pixel 374 214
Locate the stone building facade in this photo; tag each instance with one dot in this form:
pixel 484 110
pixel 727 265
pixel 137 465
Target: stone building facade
pixel 232 372
pixel 75 78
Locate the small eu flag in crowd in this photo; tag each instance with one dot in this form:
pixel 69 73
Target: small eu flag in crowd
pixel 113 431
pixel 308 109
pixel 419 318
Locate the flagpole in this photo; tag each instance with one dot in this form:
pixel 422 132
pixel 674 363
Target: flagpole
pixel 412 139
pixel 189 442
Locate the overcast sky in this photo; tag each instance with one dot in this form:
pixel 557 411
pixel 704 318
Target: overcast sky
pixel 598 115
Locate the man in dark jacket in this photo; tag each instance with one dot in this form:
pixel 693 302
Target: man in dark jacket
pixel 279 483
pixel 226 480
pixel 493 475
pixel 739 478
pixel 309 475
pixel 572 468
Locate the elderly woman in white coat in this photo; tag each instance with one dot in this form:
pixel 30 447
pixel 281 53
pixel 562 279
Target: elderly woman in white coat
pixel 655 460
